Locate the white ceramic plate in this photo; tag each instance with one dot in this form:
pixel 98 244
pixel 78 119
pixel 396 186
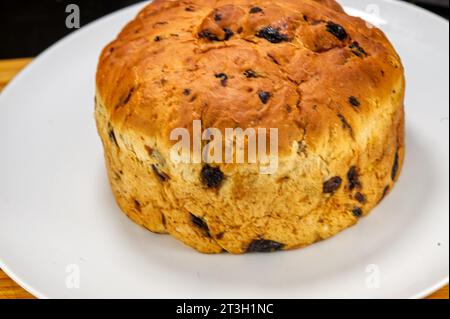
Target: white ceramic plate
pixel 58 218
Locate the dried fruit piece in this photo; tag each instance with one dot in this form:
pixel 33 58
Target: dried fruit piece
pixel 273 59
pixel 186 92
pixel 264 246
pixel 357 50
pixel 264 96
pixel 223 78
pixel 201 224
pixel 353 178
pixel 217 17
pixel 163 220
pixel 124 100
pixel 219 236
pixel 332 185
pixel 357 212
pixel 149 150
pixel 337 30
pixel 255 10
pixel 158 38
pixel 137 206
pixel 288 108
pixel 112 137
pixel 250 74
pixel 206 34
pixel 228 34
pixel 162 177
pixel 360 198
pixel 212 177
pixel 354 101
pixel 345 124
pixel 272 35
pixel 129 95
pixel 395 166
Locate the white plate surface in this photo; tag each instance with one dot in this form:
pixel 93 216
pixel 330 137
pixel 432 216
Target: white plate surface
pixel 57 213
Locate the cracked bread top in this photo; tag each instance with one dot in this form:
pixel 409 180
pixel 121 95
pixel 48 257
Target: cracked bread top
pixel 302 66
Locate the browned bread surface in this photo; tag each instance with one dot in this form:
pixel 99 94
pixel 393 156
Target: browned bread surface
pixel 332 84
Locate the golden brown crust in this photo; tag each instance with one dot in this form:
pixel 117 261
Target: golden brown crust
pixel 336 95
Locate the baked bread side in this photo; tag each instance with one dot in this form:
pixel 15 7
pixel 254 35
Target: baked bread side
pixel 332 84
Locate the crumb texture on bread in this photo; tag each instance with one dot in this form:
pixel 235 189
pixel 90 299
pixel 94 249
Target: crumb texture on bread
pixel 332 84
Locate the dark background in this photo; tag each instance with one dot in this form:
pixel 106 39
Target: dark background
pixel 28 27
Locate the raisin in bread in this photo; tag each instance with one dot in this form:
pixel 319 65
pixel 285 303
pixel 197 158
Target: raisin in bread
pixel 332 84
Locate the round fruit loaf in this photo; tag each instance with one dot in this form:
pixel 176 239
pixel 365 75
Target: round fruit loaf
pixel 331 84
